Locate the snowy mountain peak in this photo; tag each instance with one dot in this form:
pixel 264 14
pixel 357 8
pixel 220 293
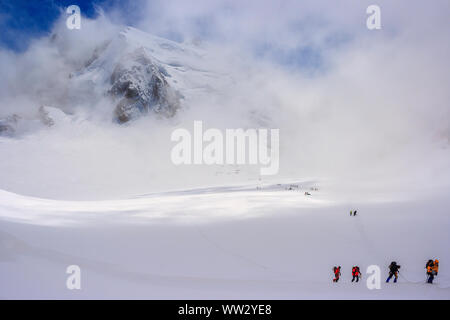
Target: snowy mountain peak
pixel 131 68
pixel 123 77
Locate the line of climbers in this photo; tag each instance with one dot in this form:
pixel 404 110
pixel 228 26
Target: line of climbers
pixel 432 268
pixel 356 273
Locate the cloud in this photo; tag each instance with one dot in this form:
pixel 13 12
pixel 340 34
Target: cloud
pixel 350 103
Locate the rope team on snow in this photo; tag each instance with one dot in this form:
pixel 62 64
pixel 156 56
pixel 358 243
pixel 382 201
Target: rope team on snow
pixel 432 268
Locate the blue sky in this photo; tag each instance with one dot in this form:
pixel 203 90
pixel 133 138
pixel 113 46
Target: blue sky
pixel 292 33
pixel 23 20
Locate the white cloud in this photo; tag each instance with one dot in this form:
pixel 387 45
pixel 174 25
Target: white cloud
pixel 378 107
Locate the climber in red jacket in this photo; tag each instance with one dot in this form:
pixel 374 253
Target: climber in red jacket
pixel 356 273
pixel 337 273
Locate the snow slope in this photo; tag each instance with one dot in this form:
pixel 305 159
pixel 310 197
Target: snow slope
pixel 219 236
pixel 224 242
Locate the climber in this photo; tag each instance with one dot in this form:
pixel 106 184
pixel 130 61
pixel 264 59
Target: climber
pixel 432 269
pixel 356 273
pixel 337 273
pixel 428 267
pixel 393 271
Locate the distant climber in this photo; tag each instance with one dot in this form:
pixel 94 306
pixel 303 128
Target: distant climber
pixel 356 273
pixel 337 273
pixel 435 268
pixel 354 212
pixel 351 213
pixel 393 271
pixel 432 269
pixel 429 268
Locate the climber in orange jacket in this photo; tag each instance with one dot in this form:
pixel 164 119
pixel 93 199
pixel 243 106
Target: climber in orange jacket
pixel 432 269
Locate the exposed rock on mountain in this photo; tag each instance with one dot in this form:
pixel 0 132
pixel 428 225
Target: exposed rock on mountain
pixel 140 85
pixel 8 125
pixel 50 116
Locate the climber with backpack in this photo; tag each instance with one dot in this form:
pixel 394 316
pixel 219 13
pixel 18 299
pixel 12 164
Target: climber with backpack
pixel 432 269
pixel 428 267
pixel 393 271
pixel 356 273
pixel 337 273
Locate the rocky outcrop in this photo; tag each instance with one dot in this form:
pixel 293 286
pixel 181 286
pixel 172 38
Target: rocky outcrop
pixel 15 125
pixel 8 125
pixel 50 115
pixel 139 85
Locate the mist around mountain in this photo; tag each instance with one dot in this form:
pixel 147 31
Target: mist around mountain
pixel 89 113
